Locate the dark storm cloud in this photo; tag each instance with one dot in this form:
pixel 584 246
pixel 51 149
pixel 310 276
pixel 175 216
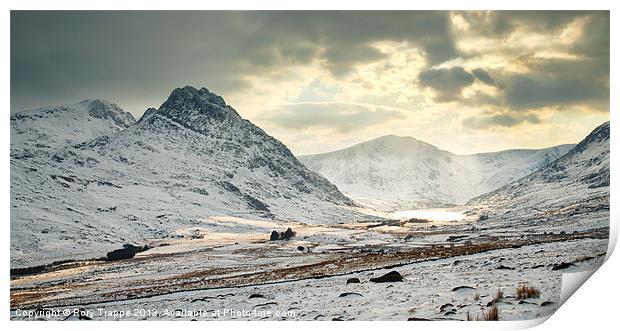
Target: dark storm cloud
pixel 484 76
pixel 136 58
pixel 499 120
pixel 582 79
pixel 563 82
pixel 340 60
pixel 537 91
pixel 340 33
pixel 594 42
pixel 338 116
pixel 501 23
pixel 448 83
pixel 132 58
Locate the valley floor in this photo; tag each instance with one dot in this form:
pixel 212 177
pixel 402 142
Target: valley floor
pixel 450 270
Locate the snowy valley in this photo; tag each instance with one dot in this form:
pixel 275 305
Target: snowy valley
pixel 398 173
pixel 202 189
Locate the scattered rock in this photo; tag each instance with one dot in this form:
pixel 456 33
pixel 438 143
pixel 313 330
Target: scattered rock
pixel 503 267
pixel 456 238
pixel 256 295
pixel 286 235
pixel 562 265
pixel 547 303
pixel 417 319
pixel 353 280
pixel 127 252
pixel 301 248
pixel 392 276
pixel 461 288
pixel 445 306
pixel 342 295
pixel 206 299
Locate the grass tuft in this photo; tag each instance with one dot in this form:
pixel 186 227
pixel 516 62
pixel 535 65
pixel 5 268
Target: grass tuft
pixel 491 314
pixel 525 292
pixel 499 295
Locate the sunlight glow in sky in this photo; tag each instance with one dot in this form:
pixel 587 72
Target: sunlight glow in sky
pixel 319 81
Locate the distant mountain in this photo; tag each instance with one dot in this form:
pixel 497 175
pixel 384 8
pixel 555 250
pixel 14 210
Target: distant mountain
pixel 103 180
pixel 398 173
pixel 50 127
pixel 578 180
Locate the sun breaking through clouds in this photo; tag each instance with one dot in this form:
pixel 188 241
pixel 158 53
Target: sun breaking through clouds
pixel 320 81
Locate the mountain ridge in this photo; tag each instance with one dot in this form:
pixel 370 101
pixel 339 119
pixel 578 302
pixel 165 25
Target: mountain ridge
pixel 50 127
pixel 395 172
pixel 569 194
pixel 586 163
pixel 411 138
pixel 179 167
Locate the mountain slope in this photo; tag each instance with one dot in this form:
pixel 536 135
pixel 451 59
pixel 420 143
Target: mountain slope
pixel 192 159
pixel 50 127
pixel 577 180
pixel 396 173
pixel 206 138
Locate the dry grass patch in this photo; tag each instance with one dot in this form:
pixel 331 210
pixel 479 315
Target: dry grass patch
pixel 499 295
pixel 491 314
pixel 525 291
pixel 488 315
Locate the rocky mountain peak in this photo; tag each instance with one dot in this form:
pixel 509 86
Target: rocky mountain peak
pixel 104 109
pixel 192 96
pixel 194 108
pixel 600 134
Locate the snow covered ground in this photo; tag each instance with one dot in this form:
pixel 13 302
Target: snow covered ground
pixel 441 289
pixel 86 179
pixel 204 189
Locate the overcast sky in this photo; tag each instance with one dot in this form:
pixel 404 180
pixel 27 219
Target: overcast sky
pixel 320 81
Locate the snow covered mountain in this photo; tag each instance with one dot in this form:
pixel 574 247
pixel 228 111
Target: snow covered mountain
pixel 579 181
pixel 86 179
pixel 47 128
pixel 399 173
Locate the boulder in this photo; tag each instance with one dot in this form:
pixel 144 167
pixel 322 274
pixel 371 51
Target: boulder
pixel 353 280
pixel 392 276
pixel 288 234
